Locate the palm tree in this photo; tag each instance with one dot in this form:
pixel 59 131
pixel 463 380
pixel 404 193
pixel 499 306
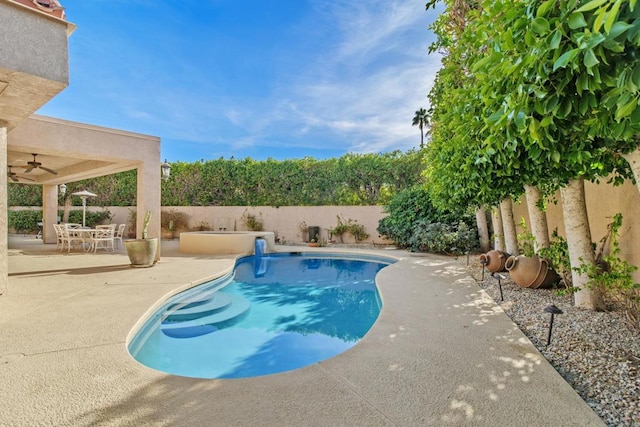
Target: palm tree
pixel 420 120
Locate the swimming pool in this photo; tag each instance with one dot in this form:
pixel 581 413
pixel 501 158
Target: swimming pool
pixel 275 313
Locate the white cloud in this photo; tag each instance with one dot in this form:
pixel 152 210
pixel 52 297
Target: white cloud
pixel 364 90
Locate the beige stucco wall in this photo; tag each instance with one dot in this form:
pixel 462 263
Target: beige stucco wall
pixel 284 220
pixel 603 202
pixel 44 38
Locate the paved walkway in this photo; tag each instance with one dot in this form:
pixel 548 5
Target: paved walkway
pixel 441 353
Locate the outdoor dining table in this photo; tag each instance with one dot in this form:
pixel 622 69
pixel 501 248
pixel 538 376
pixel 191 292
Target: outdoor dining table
pixel 87 234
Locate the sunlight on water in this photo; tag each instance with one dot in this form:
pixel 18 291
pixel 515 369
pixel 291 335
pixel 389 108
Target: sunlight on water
pixel 280 312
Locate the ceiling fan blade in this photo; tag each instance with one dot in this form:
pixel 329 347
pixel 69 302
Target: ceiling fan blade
pixel 26 179
pixel 48 170
pixel 13 178
pixel 28 169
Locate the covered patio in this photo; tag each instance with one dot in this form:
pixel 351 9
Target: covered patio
pixel 34 67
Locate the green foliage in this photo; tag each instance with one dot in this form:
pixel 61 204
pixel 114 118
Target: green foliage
pixel 252 222
pixel 358 231
pixel 91 218
pixel 421 119
pixel 24 194
pixel 145 225
pixel 526 240
pixel 614 276
pixel 353 179
pixel 413 208
pixel 531 92
pixel 558 256
pixel 443 238
pixel 171 219
pixel 24 221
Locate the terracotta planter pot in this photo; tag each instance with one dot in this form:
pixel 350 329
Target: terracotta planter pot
pixel 548 276
pixel 531 272
pixel 494 260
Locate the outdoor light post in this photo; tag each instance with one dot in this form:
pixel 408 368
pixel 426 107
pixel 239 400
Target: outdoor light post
pixel 165 170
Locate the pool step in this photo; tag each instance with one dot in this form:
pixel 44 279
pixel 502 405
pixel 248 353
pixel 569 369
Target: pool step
pixel 205 324
pixel 202 296
pixel 197 308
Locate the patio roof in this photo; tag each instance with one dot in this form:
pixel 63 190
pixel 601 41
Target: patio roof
pixel 76 151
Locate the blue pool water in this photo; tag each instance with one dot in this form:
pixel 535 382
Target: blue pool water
pixel 274 314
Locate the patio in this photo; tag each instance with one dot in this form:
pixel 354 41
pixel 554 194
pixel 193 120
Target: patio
pixel 441 353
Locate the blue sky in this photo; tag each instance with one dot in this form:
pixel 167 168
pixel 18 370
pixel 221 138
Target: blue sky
pixel 247 78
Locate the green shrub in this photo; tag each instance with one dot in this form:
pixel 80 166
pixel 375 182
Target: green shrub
pixel 410 211
pixel 91 218
pixel 171 219
pixel 443 238
pixel 351 226
pixel 252 222
pixel 558 256
pixel 613 277
pixel 24 194
pixel 24 221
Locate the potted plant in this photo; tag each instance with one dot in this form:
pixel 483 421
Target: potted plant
pixel 168 234
pixel 142 252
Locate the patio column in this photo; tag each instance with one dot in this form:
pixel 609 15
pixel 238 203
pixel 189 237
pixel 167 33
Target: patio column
pixel 49 212
pixel 149 198
pixel 4 226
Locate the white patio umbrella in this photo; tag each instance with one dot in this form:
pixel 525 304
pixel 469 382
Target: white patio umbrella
pixel 84 194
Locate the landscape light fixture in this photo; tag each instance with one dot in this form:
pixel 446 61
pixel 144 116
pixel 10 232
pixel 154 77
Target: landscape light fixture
pixel 553 310
pixel 500 277
pixel 484 262
pixel 165 170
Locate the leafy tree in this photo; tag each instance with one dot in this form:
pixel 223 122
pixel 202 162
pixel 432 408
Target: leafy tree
pixel 555 86
pixel 420 120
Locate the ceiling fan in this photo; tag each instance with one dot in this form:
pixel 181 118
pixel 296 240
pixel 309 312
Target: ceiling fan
pixel 14 176
pixel 34 164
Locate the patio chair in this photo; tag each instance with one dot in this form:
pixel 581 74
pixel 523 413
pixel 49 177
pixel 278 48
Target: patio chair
pixel 119 235
pixel 59 235
pixel 103 238
pixel 72 235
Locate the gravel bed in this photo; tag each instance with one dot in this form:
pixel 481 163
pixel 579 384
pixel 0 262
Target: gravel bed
pixel 596 352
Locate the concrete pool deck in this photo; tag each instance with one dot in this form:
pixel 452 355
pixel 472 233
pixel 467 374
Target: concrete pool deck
pixel 441 353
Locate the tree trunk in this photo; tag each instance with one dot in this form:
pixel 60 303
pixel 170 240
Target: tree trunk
pixel 509 227
pixel 538 218
pixel 576 224
pixel 634 161
pixel 498 232
pixel 483 229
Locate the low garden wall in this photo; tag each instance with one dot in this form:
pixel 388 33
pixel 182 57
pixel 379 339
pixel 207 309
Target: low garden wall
pixel 288 222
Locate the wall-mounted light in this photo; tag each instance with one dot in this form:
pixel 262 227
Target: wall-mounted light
pixel 165 170
pixel 62 189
